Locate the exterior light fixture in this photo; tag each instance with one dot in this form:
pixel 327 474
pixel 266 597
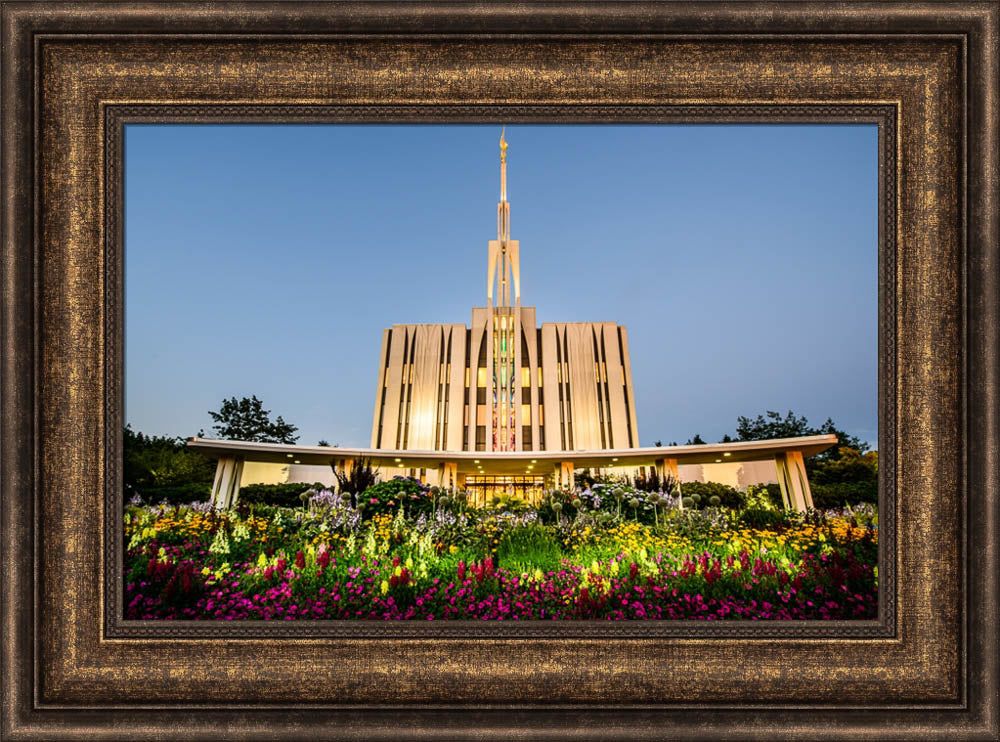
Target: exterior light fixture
pixel 534 461
pixel 291 456
pixel 297 461
pixel 398 460
pixel 727 454
pixel 718 461
pixel 476 461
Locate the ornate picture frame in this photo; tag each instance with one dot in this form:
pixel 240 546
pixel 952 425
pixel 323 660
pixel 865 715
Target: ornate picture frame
pixel 73 75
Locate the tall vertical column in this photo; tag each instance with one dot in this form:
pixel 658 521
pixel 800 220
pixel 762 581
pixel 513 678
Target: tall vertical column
pixel 447 475
pixel 565 475
pixel 793 480
pixel 504 319
pixel 226 485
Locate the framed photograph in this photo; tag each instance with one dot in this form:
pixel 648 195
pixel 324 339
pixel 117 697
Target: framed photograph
pixel 497 541
pixel 456 496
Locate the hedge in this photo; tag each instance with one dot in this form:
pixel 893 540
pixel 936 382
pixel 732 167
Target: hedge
pixel 281 495
pixel 729 497
pixel 839 494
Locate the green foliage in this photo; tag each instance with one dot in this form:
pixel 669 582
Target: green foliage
pixel 508 504
pixel 729 497
pixel 247 420
pixel 759 497
pixel 386 497
pixel 154 462
pixel 846 464
pixel 840 494
pixel 529 547
pixel 792 426
pixel 282 495
pixel 847 477
pixel 761 518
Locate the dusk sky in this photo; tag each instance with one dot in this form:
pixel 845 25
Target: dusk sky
pixel 266 260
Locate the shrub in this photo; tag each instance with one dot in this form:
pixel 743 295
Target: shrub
pixel 839 494
pixel 153 462
pixel 729 497
pixel 774 495
pixel 282 495
pixel 763 497
pixel 509 504
pixel 386 497
pixel 761 518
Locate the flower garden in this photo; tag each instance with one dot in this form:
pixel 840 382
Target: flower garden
pixel 404 551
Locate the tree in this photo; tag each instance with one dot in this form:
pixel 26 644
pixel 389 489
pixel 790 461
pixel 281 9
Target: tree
pixel 773 426
pixel 151 462
pixel 324 443
pixel 847 464
pixel 247 420
pixel 792 426
pixel 696 441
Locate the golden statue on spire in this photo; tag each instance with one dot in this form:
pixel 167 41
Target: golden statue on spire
pixel 503 145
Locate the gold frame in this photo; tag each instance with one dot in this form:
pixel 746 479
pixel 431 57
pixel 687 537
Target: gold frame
pixel 70 74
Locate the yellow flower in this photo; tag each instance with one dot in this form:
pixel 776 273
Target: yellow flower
pixel 384 586
pixel 452 549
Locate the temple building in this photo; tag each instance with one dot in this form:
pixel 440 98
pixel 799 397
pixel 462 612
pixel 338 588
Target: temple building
pixel 504 383
pixel 505 406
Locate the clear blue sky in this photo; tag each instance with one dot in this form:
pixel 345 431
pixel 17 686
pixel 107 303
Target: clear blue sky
pixel 267 260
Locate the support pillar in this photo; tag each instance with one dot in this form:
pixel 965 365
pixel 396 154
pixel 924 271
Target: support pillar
pixel 794 483
pixel 226 485
pixel 563 473
pixel 448 475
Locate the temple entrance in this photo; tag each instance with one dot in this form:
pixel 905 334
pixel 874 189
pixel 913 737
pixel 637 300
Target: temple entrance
pixel 482 489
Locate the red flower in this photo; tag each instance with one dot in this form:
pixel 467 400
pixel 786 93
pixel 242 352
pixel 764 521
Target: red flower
pixel 461 571
pixel 300 560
